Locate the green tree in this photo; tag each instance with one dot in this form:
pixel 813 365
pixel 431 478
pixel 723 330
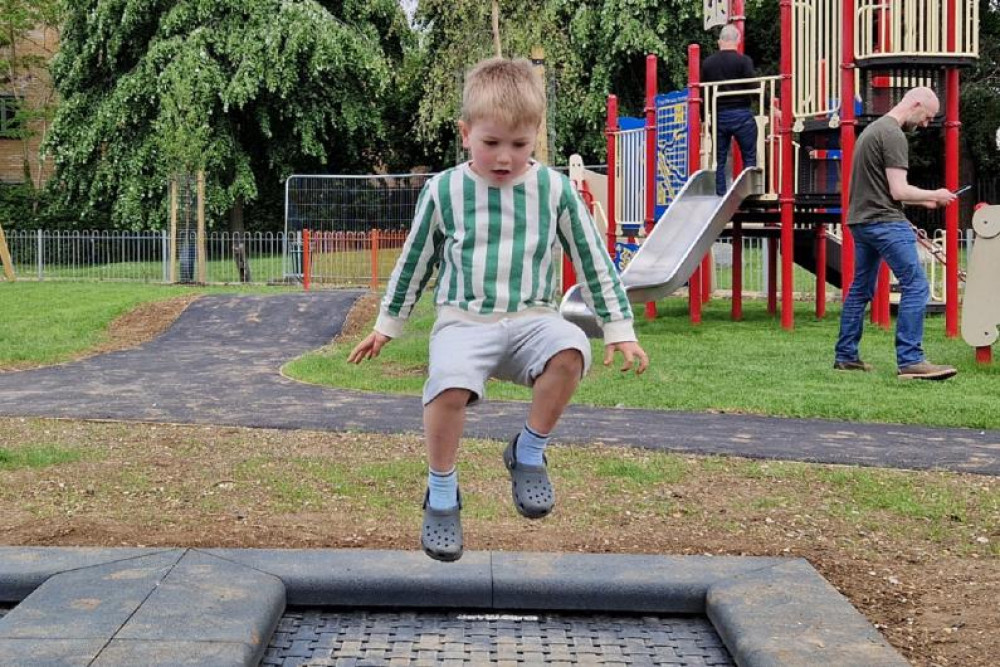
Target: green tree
pixel 981 95
pixel 247 90
pixel 592 48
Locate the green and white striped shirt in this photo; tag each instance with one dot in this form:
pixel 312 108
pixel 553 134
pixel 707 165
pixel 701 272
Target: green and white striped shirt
pixel 496 250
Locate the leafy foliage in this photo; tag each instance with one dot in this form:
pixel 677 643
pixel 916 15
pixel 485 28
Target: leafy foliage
pixel 253 90
pixel 592 48
pixel 247 90
pixel 981 95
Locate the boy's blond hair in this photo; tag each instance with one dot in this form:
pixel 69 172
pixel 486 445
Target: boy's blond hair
pixel 505 91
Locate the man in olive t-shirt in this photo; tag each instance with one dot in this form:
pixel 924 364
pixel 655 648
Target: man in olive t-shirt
pixel 881 231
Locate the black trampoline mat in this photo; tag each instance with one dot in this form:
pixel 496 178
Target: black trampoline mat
pixel 322 637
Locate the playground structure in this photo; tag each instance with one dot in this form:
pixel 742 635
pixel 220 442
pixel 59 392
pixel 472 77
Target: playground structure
pixel 981 311
pixel 805 147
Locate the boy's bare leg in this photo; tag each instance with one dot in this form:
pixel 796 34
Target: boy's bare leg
pixel 444 422
pixel 525 455
pixel 553 390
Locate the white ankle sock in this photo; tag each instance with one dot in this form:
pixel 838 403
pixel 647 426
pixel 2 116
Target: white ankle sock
pixel 531 447
pixel 443 489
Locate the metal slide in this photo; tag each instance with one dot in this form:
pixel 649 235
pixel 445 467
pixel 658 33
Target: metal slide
pixel 674 249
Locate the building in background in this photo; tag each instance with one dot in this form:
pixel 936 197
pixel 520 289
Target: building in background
pixel 27 98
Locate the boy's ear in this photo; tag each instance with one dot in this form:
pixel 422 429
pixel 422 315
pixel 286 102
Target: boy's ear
pixel 463 129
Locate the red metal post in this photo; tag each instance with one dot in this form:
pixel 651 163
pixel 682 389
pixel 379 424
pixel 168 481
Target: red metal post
pixel 952 124
pixel 882 314
pixel 820 271
pixel 305 259
pixel 736 313
pixel 848 124
pixel 951 143
pixel 611 130
pixel 694 159
pixel 650 158
pixel 375 241
pixel 787 195
pixel 873 306
pixel 568 274
pixel 706 277
pixel 738 18
pixel 984 355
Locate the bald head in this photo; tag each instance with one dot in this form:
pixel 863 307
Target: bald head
pixel 918 106
pixel 729 37
pixel 924 96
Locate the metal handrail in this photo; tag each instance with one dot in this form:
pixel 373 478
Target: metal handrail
pixel 764 89
pixel 915 28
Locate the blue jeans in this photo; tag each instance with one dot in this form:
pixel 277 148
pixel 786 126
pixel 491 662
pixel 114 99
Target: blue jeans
pixel 896 243
pixel 731 123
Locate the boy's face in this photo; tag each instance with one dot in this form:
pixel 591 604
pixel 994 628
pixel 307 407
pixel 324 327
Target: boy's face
pixel 499 153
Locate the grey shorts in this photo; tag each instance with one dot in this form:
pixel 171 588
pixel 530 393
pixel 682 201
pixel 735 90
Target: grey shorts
pixel 464 355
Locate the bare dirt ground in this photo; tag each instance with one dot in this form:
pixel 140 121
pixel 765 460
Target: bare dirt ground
pixel 926 573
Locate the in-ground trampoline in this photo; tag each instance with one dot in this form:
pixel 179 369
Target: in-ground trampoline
pixel 221 607
pixel 324 637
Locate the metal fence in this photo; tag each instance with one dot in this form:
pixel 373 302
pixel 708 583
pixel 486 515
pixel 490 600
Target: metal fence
pixel 335 259
pixel 354 204
pixel 143 256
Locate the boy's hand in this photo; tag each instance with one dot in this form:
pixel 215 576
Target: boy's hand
pixel 369 348
pixel 631 350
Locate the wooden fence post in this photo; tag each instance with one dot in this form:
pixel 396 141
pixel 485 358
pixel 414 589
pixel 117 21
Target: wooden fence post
pixel 8 264
pixel 173 232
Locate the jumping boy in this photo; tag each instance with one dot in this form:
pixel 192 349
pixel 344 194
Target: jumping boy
pixel 491 225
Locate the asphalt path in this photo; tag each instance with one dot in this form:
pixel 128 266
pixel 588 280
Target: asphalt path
pixel 220 364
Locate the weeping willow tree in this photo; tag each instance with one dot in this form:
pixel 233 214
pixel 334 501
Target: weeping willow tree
pixel 246 90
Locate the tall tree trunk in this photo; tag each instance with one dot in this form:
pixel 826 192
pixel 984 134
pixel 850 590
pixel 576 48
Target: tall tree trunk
pixel 237 228
pixel 236 225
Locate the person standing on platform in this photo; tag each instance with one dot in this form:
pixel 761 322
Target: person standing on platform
pixel 735 119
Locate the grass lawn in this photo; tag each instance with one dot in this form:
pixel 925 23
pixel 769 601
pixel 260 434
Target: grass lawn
pixel 915 551
pixel 753 366
pixel 49 322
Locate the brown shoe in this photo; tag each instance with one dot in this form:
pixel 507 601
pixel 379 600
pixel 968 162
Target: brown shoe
pixel 856 365
pixel 925 370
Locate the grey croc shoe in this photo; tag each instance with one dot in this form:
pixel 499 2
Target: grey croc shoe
pixel 441 536
pixel 529 485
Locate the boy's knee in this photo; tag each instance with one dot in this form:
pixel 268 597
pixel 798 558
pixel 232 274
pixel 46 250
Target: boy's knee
pixel 453 398
pixel 567 362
